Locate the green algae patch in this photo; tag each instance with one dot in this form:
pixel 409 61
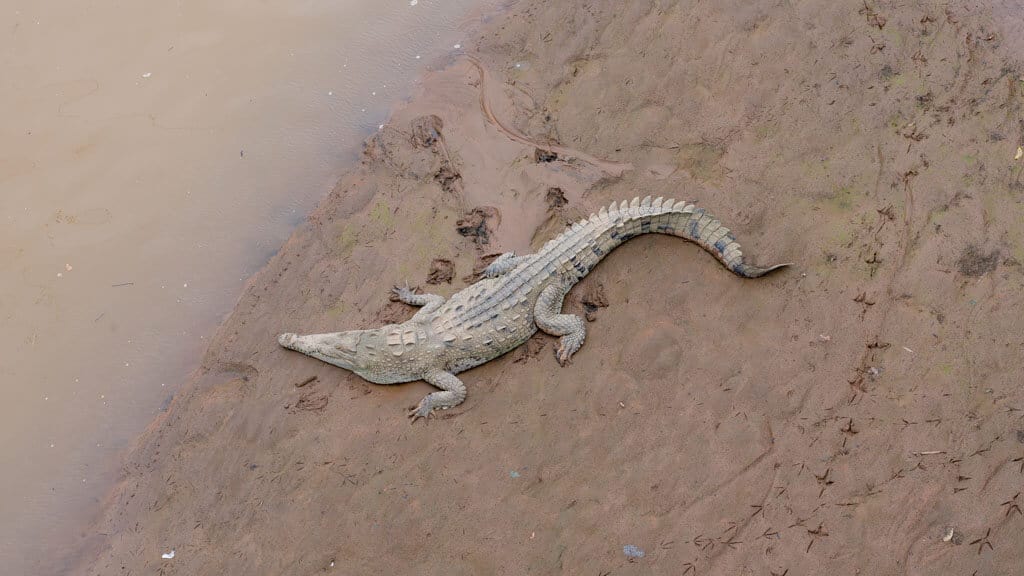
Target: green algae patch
pixel 338 309
pixel 382 216
pixel 347 241
pixel 843 198
pixel 763 131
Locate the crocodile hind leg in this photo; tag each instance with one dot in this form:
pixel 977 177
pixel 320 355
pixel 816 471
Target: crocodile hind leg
pixel 429 302
pixel 452 393
pixel 547 314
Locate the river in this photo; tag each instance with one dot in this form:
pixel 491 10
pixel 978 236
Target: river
pixel 153 156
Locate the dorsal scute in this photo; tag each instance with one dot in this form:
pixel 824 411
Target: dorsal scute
pixel 646 202
pixel 635 203
pixel 624 206
pixel 656 205
pixel 613 209
pixel 602 213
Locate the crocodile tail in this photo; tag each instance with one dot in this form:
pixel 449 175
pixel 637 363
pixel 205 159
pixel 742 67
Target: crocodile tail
pixel 585 243
pixel 750 271
pixel 702 228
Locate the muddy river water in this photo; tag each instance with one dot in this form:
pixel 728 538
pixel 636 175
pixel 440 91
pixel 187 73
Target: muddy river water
pixel 153 155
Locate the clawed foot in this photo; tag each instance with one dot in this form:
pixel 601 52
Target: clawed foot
pixel 403 292
pixel 422 410
pixel 491 271
pixel 563 355
pixel 499 266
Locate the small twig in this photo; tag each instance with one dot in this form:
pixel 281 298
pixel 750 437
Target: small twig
pixel 306 381
pixel 928 452
pixel 122 284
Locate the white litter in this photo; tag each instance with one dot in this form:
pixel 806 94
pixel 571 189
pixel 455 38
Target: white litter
pixel 457 46
pixel 147 74
pixel 908 349
pixel 168 555
pixel 413 2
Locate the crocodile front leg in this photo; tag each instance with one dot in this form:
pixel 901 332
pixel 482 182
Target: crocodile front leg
pixel 429 302
pixel 547 314
pixel 504 264
pixel 452 393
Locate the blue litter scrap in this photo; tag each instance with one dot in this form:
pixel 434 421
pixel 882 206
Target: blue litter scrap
pixel 632 551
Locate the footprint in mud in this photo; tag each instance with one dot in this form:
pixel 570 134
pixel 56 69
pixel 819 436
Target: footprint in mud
pixel 529 350
pixel 426 131
pixel 593 299
pixel 479 223
pixel 555 198
pixel 541 156
pixel 449 179
pixel 441 271
pixel 311 402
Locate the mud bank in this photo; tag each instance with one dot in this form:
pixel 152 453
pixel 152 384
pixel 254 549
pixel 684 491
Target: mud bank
pixel 859 412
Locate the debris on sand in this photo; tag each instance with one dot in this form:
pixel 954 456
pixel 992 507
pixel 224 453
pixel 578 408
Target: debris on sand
pixel 633 552
pixel 973 262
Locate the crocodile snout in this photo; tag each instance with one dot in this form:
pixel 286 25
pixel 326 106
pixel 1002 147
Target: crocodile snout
pixel 287 340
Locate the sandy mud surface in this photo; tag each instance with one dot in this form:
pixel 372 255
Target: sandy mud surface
pixel 861 412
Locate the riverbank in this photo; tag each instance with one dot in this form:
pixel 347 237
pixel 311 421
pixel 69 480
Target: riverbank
pixel 859 411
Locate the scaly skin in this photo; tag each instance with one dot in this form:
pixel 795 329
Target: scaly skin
pixel 518 295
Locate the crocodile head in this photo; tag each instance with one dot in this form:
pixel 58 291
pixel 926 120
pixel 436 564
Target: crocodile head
pixel 341 349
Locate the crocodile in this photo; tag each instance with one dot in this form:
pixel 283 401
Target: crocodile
pixel 516 296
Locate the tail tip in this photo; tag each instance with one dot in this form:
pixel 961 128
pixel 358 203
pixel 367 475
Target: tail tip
pixel 750 271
